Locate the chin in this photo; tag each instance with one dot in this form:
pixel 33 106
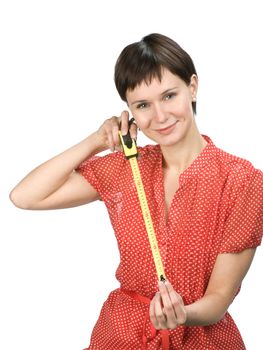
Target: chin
pixel 168 143
pixel 167 140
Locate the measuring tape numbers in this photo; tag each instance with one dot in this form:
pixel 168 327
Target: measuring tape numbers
pixel 131 153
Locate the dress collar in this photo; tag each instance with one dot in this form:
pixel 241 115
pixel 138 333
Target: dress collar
pixel 200 161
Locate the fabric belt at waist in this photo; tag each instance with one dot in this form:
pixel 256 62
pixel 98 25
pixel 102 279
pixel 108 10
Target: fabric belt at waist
pixel 164 332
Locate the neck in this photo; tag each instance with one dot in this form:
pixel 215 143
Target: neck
pixel 179 156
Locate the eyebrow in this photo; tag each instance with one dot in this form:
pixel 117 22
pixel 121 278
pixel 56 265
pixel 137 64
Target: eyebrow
pixel 163 93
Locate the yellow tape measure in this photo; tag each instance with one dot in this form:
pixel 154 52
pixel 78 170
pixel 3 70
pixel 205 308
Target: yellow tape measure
pixel 131 153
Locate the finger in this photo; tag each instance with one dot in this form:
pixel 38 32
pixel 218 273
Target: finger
pixel 158 309
pixel 133 131
pixel 124 122
pixel 152 313
pixel 115 135
pixel 111 142
pixel 112 131
pixel 167 305
pixel 179 308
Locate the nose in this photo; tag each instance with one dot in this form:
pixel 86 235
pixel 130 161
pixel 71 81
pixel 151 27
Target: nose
pixel 159 113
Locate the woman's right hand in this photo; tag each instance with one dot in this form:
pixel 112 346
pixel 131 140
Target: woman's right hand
pixel 109 131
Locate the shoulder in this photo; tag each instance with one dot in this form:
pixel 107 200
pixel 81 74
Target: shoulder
pixel 239 171
pixel 117 160
pixel 149 151
pixel 103 160
pixel 233 163
pixel 233 172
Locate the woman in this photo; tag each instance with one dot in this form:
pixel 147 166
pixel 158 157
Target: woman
pixel 206 206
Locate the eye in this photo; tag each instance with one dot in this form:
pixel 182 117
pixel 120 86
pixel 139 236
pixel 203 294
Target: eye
pixel 169 96
pixel 141 105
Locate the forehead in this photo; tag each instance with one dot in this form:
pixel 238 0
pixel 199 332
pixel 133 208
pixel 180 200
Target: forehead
pixel 147 90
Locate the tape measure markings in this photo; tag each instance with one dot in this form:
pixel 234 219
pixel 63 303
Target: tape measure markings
pixel 131 154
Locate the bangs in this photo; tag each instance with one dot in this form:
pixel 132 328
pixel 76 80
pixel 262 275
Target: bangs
pixel 143 74
pixel 138 67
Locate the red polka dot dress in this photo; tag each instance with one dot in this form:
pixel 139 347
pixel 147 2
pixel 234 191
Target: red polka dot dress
pixel 218 208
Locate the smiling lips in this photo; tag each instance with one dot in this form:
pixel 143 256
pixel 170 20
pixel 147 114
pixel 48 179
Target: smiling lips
pixel 167 130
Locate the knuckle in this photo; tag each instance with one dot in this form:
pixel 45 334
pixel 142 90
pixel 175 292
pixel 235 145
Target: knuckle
pixel 109 120
pixel 172 325
pixel 177 302
pixel 159 317
pixel 169 309
pixel 182 319
pixel 107 127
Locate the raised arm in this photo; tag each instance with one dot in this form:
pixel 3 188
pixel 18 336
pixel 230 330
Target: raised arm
pixel 55 184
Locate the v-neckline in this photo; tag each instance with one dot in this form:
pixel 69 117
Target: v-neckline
pixel 191 170
pixel 167 209
pixel 164 212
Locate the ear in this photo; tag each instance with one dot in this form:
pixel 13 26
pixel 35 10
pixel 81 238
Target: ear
pixel 193 86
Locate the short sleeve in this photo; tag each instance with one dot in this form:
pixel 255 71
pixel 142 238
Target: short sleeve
pixel 244 225
pixel 102 172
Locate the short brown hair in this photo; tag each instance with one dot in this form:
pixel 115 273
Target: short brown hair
pixel 145 59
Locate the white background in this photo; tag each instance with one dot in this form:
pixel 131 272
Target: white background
pixel 56 65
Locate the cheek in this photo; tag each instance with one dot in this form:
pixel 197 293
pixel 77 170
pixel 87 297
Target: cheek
pixel 184 108
pixel 142 119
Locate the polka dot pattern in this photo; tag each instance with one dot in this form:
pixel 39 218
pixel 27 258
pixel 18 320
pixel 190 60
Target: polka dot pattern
pixel 218 208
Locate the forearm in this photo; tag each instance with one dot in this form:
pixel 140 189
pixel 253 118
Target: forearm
pixel 206 311
pixel 49 176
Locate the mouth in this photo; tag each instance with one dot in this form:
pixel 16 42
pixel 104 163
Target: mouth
pixel 166 130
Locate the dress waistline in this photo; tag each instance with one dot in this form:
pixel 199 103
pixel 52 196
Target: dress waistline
pixel 164 332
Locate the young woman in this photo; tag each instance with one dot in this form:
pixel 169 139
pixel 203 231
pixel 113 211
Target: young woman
pixel 206 206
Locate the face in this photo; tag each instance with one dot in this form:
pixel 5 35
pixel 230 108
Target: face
pixel 163 110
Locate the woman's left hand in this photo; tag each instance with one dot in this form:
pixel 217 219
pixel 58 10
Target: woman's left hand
pixel 167 309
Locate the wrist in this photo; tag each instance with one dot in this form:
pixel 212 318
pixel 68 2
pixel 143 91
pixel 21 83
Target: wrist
pixel 205 311
pixel 98 142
